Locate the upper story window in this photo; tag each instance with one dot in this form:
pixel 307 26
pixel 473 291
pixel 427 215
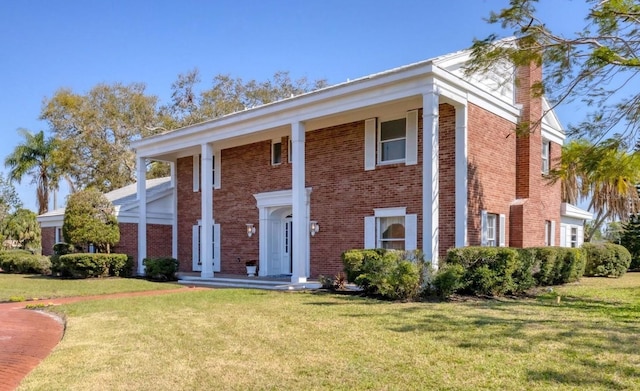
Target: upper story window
pixel 276 152
pixel 392 139
pixel 197 172
pixel 546 154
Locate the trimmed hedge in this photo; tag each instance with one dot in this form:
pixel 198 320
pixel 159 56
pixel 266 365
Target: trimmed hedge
pixel 163 268
pixel 395 275
pixel 85 265
pixel 501 270
pixel 557 265
pixel 24 262
pixel 606 260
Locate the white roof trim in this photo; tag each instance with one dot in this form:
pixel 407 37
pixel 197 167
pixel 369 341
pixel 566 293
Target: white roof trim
pixel 569 210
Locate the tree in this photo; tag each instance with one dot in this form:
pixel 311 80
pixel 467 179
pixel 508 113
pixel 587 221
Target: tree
pixel 596 65
pixel 35 156
pixel 604 173
pixel 9 199
pixel 95 131
pixel 89 219
pixel 630 239
pixel 190 105
pixel 23 227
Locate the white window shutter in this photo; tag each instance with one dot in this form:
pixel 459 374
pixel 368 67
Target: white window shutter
pixel 216 247
pixel 580 236
pixel 502 230
pixel 411 232
pixel 217 173
pixel 370 232
pixel 195 254
pixel 196 173
pixel 483 227
pixel 370 144
pixel 411 144
pixel 552 242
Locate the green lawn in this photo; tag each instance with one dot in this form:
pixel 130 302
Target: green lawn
pixel 29 287
pixel 261 340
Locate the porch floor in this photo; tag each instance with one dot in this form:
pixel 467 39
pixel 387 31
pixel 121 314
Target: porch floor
pixel 223 280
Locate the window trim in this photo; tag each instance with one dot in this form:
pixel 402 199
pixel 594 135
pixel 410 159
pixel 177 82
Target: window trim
pixel 379 141
pixel 492 226
pixel 546 156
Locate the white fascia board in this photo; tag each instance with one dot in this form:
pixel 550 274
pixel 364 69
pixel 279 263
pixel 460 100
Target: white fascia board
pixel 348 96
pixel 152 218
pixel 553 135
pixel 50 221
pixel 569 210
pixel 478 96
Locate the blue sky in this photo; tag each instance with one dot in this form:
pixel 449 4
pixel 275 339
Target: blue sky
pixel 51 44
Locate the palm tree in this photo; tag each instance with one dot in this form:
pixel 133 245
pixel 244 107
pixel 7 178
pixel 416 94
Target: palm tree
pixel 606 174
pixel 35 157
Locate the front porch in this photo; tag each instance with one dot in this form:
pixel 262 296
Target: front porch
pixel 222 280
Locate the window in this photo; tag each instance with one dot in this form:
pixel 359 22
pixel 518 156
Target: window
pixel 492 230
pixel 574 237
pixel 276 152
pixel 290 151
pixel 197 171
pixel 391 233
pixel 391 228
pixel 546 153
pixel 392 141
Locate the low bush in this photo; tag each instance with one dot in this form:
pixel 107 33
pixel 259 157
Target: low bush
pixel 557 265
pixel 395 275
pixel 448 280
pixel 164 268
pixel 24 262
pixel 606 260
pixel 85 265
pixel 488 270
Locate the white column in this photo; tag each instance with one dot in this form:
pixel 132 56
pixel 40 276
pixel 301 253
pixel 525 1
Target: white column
pixel 299 207
pixel 142 213
pixel 462 210
pixel 430 175
pixel 174 223
pixel 206 196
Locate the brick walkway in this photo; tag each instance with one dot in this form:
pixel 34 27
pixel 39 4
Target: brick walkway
pixel 27 336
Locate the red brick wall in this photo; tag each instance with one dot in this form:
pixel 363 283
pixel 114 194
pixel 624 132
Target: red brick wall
pixel 539 201
pixel 158 240
pixel 48 240
pixel 491 168
pixel 447 178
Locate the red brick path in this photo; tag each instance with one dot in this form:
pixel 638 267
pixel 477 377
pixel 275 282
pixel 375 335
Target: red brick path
pixel 27 336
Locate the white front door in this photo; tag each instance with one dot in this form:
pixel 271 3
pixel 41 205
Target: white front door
pixel 280 245
pixel 197 238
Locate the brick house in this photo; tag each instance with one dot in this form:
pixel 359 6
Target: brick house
pixel 417 157
pixel 159 210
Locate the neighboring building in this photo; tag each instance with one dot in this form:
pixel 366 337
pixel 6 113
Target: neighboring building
pixel 417 157
pixel 159 211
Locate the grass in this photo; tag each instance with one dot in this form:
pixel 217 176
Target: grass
pixel 229 339
pixel 27 287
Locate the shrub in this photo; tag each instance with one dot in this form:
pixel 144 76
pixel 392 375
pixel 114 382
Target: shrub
pixel 23 262
pixel 488 270
pixel 389 274
pixel 161 268
pixel 606 260
pixel 448 280
pixel 84 265
pixel 557 265
pixel 573 264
